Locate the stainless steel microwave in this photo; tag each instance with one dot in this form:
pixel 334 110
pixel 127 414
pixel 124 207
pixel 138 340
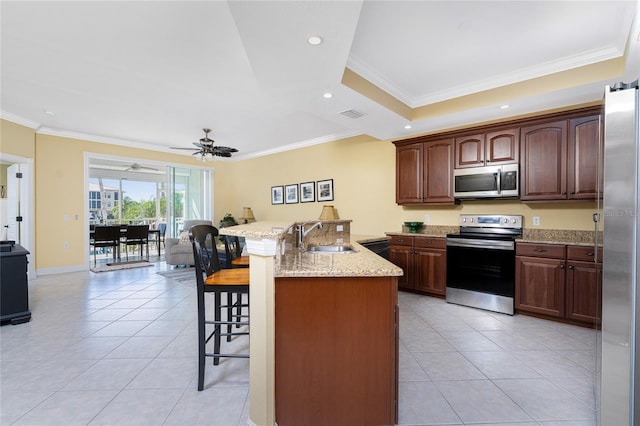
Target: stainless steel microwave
pixel 486 182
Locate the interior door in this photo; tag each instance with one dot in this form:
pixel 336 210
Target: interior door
pixel 13 203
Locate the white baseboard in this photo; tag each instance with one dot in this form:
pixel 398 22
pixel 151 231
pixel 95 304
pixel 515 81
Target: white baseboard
pixel 62 270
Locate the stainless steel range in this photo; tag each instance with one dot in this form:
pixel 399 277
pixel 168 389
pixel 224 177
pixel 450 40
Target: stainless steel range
pixel 481 262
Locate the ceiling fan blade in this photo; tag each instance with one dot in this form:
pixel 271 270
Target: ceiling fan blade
pixel 225 149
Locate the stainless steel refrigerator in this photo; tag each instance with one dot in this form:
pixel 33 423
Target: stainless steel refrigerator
pixel 620 338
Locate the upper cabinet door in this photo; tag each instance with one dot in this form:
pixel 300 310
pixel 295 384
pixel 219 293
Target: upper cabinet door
pixel 409 174
pixel 503 147
pixel 438 169
pixel 469 151
pixel 583 158
pixel 544 159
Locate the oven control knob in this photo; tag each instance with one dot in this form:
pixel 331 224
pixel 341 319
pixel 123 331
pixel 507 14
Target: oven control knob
pixel 505 220
pixel 513 221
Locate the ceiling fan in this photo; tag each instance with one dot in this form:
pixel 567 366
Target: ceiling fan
pixel 206 150
pixel 135 167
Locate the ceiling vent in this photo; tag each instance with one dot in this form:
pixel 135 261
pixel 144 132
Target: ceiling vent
pixel 352 113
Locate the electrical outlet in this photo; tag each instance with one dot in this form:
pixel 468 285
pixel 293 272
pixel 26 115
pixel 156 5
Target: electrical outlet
pixel 427 218
pixel 65 245
pixel 339 228
pixel 536 221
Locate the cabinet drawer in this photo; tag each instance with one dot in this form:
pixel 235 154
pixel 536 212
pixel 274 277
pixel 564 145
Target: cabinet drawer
pixel 541 250
pixel 401 240
pixel 585 253
pixel 430 242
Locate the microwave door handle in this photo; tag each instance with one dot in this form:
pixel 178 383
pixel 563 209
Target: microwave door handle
pixel 498 184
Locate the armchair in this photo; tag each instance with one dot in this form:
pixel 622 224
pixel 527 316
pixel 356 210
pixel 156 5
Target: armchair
pixel 179 251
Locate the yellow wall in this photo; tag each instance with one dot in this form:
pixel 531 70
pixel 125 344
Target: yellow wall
pixel 16 139
pixel 59 188
pixel 363 171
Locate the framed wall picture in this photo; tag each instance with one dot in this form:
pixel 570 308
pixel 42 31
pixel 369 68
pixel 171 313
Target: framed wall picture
pixel 277 195
pixel 307 192
pixel 291 194
pixel 325 190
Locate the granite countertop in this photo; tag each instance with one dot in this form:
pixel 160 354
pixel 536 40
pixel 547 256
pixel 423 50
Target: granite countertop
pixel 293 263
pixel 361 263
pixel 558 236
pixel 546 236
pixel 428 231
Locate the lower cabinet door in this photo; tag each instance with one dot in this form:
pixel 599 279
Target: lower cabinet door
pixel 540 285
pixel 402 256
pixel 584 291
pixel 430 271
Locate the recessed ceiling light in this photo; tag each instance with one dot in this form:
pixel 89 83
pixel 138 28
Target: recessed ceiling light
pixel 314 40
pixel 327 95
pixel 505 106
pixel 46 111
pixel 407 126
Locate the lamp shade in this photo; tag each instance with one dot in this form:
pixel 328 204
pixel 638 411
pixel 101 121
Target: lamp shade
pixel 247 214
pixel 329 213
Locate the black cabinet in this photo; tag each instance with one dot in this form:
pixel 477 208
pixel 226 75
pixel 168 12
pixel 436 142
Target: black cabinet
pixel 14 292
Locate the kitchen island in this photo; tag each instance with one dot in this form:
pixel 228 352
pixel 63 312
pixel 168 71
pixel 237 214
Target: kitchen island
pixel 324 332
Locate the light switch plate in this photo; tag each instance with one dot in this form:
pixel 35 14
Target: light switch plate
pixel 427 218
pixel 536 221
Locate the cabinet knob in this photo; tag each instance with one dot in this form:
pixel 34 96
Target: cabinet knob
pixel 573 192
pixel 539 250
pixel 589 254
pixel 561 266
pixel 570 267
pixel 564 192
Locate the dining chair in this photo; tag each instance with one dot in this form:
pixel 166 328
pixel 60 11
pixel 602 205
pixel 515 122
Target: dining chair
pixel 212 278
pixel 163 230
pixel 136 235
pixel 105 237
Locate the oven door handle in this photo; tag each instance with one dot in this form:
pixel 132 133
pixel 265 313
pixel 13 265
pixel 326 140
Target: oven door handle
pixel 488 244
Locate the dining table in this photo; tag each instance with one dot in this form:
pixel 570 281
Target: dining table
pixel 123 230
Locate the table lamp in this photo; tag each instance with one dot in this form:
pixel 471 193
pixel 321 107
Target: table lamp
pixel 247 214
pixel 328 213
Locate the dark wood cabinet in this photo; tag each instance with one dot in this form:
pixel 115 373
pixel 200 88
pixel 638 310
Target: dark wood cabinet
pixel 424 262
pixel 336 351
pixel 401 255
pixel 424 172
pixel 543 167
pixel 438 172
pixel 560 160
pixel 540 285
pixel 557 153
pixel 469 151
pixel 563 282
pixel 583 162
pixel 483 149
pixel 409 175
pixel 584 285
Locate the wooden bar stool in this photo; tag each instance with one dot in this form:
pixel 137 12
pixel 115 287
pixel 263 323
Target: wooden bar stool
pixel 211 278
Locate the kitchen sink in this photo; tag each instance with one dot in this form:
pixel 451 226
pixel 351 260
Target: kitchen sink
pixel 332 249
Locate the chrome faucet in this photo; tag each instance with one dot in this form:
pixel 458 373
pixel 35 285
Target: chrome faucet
pixel 302 232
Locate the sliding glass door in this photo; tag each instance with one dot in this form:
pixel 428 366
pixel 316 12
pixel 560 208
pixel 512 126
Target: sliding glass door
pixel 189 197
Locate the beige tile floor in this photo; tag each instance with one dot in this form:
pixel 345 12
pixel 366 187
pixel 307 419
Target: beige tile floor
pixel 119 348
